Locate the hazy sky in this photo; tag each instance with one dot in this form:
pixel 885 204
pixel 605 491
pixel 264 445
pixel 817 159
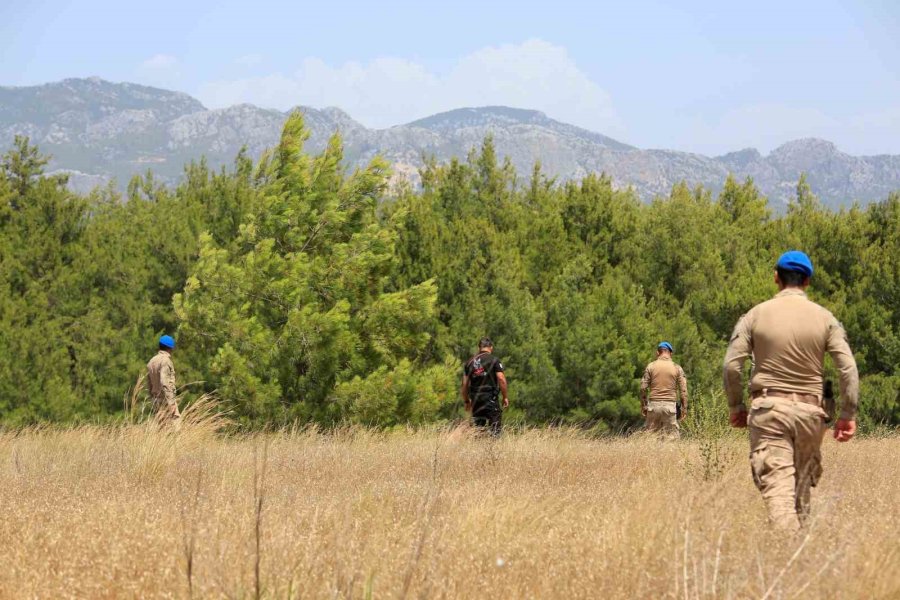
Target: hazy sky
pixel 694 77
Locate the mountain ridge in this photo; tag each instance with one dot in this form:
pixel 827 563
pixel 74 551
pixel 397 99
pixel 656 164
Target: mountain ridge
pixel 101 130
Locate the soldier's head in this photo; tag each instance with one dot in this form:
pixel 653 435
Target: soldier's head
pixel 664 349
pixel 167 343
pixel 485 345
pixel 793 270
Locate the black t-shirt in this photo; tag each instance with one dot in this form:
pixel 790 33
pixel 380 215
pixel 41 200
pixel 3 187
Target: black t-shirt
pixel 482 371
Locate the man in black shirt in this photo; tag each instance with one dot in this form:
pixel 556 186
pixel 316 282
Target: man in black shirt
pixel 483 382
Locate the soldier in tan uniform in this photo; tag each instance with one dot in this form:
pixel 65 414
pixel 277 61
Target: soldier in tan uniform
pixel 664 380
pixel 161 378
pixel 788 337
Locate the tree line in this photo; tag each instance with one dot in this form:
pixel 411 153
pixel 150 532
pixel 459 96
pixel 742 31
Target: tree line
pixel 302 292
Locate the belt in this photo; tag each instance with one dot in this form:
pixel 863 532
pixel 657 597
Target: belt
pixel 805 398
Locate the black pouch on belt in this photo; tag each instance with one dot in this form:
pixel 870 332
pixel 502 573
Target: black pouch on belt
pixel 828 400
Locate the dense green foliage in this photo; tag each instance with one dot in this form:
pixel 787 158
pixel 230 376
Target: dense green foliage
pixel 304 293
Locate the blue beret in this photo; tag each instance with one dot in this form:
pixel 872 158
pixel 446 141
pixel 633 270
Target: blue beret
pixel 666 346
pixel 794 260
pixel 167 341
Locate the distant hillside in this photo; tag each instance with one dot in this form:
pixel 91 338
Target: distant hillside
pixel 102 130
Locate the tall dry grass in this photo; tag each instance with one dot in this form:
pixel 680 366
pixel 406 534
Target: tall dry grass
pixel 132 511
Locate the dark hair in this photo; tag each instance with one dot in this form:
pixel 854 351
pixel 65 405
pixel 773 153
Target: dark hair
pixel 791 278
pixel 485 343
pixel 166 348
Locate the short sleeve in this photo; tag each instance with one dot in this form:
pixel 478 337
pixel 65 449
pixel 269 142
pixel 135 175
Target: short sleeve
pixel 498 366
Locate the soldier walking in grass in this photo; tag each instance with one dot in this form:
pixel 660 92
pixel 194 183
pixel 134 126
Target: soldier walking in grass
pixel 788 337
pixel 661 385
pixel 161 378
pixel 483 384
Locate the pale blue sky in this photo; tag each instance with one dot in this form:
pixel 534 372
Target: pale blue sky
pixel 688 75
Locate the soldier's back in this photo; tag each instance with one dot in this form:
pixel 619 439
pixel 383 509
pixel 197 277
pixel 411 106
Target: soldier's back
pixel 160 360
pixel 663 379
pixel 155 368
pixel 789 335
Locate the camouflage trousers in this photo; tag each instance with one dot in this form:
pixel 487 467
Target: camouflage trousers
pixel 662 419
pixel 786 456
pixel 166 413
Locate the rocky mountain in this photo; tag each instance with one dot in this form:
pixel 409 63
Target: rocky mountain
pixel 99 130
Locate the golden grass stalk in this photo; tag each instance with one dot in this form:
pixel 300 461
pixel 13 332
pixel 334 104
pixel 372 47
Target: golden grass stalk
pixel 138 511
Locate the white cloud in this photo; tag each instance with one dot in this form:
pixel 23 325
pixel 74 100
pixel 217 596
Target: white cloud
pixel 249 60
pixel 388 91
pixel 160 62
pixel 767 126
pixel 761 126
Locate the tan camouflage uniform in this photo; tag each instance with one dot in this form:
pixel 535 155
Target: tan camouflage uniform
pixel 664 379
pixel 161 377
pixel 787 337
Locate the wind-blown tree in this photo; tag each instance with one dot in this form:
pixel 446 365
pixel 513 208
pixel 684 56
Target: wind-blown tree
pixel 467 229
pixel 303 292
pixel 297 319
pixel 41 225
pixel 872 313
pixel 87 285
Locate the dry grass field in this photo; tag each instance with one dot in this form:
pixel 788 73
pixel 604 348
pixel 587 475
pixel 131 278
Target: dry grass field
pixel 127 512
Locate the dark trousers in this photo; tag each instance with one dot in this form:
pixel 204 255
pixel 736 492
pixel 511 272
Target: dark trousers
pixel 487 415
